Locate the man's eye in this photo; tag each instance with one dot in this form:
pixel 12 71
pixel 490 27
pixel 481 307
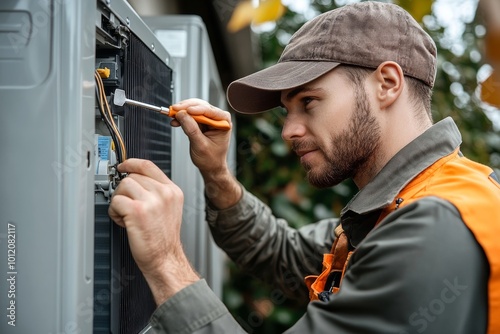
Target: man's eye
pixel 308 103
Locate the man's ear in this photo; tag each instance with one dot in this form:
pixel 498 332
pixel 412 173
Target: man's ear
pixel 389 80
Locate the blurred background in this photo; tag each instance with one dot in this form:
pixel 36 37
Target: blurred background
pixel 250 35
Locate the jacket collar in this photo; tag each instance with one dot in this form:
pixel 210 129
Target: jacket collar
pixel 438 141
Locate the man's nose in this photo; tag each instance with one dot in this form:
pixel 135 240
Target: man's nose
pixel 293 128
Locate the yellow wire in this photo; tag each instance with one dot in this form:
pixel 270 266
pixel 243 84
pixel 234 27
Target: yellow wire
pixel 103 102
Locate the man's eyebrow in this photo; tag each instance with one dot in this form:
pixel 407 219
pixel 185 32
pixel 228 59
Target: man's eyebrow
pixel 302 89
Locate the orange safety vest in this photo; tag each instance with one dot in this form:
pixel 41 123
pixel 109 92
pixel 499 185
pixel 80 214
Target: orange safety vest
pixel 469 186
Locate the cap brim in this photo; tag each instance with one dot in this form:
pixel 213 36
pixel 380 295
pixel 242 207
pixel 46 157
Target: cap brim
pixel 261 91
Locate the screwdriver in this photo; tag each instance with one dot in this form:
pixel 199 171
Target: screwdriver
pixel 120 99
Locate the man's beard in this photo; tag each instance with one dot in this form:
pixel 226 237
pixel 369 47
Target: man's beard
pixel 350 151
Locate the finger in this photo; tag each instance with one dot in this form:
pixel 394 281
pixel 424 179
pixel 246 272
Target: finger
pixel 143 167
pixel 188 103
pixel 175 123
pixel 120 207
pixel 210 112
pixel 200 107
pixel 145 182
pixel 190 127
pixel 132 189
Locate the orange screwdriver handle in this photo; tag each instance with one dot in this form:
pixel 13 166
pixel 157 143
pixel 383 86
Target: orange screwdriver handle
pixel 217 124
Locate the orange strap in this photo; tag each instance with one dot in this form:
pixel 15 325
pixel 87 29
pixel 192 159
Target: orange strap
pixel 334 265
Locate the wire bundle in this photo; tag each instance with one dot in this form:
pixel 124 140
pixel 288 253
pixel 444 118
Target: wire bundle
pixel 105 111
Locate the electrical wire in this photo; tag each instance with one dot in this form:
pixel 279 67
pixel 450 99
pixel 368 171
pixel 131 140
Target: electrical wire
pixel 105 112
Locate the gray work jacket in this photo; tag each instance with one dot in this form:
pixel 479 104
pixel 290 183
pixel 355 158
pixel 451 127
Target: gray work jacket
pixel 419 271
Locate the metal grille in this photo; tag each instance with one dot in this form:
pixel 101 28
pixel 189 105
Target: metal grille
pixel 147 79
pixel 147 135
pixel 102 270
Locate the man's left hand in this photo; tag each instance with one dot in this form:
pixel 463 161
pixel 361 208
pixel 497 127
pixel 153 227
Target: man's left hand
pixel 149 205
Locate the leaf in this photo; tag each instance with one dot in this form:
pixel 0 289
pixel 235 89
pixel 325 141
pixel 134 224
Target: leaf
pixel 492 45
pixel 268 10
pixel 242 16
pixel 418 9
pixel 490 12
pixel 245 13
pixel 490 89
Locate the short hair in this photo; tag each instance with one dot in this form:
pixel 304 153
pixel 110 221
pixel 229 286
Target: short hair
pixel 420 92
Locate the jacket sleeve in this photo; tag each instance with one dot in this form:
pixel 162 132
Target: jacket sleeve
pixel 194 309
pixel 419 271
pixel 267 247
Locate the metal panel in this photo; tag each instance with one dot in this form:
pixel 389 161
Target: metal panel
pixel 46 131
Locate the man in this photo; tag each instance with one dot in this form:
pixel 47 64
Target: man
pixel 414 251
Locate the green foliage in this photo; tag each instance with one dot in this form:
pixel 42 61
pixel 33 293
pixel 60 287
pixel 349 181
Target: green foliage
pixel 268 168
pixel 455 95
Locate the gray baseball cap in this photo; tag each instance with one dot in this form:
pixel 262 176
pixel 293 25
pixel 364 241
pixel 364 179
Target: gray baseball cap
pixel 364 34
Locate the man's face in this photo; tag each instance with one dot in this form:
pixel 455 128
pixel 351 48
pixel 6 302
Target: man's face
pixel 331 127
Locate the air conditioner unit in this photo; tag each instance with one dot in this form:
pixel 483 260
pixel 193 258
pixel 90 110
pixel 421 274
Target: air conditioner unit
pixel 66 267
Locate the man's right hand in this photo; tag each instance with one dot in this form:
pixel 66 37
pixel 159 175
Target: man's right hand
pixel 208 149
